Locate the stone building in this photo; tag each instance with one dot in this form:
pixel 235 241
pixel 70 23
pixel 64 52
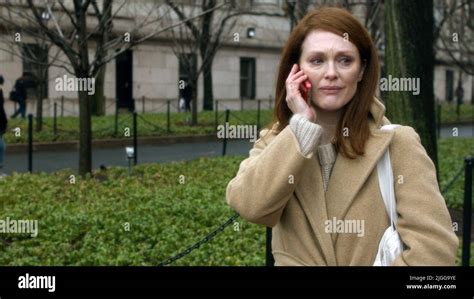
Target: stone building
pixel 244 69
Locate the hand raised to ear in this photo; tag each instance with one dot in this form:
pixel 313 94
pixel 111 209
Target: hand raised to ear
pixel 297 89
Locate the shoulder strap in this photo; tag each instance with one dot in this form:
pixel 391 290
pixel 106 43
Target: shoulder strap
pixel 385 175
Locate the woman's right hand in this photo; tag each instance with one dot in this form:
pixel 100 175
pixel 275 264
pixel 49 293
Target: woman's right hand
pixel 296 81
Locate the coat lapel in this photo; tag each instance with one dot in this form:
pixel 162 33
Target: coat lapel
pixel 311 195
pixel 348 175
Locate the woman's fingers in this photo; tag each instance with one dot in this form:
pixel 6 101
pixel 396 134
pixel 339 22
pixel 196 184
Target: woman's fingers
pixel 295 75
pixel 292 71
pixel 295 84
pixel 298 76
pixel 300 79
pixel 297 88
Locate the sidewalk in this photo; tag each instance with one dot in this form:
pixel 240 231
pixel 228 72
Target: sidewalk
pixel 109 143
pixel 49 161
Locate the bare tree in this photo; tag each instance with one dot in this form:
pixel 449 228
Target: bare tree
pixel 207 34
pixel 82 25
pixel 454 40
pixel 296 10
pixel 370 13
pixel 31 45
pixel 204 36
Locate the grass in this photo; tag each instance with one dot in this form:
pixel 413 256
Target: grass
pixel 103 127
pixel 449 114
pixel 451 153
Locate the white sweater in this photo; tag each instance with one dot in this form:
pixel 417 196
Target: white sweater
pixel 308 134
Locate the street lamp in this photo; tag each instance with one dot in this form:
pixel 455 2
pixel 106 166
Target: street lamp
pixel 251 32
pixel 130 154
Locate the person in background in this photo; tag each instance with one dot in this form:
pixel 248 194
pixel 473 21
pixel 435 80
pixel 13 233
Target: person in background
pixel 20 89
pixel 187 95
pixel 182 104
pixel 3 126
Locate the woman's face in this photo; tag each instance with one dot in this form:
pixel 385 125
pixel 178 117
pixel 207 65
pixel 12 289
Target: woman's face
pixel 333 66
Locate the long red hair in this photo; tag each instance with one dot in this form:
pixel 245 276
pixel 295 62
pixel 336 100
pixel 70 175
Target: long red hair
pixel 355 114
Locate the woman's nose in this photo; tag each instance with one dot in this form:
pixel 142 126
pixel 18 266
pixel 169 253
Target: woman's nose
pixel 330 73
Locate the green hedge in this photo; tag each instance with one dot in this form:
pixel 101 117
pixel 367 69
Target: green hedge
pixel 83 224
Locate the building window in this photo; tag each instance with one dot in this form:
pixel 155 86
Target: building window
pixel 35 66
pixel 247 78
pixel 449 85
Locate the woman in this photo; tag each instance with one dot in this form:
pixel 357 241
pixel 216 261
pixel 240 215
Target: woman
pixel 313 171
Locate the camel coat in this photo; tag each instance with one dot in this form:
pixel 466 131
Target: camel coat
pixel 278 187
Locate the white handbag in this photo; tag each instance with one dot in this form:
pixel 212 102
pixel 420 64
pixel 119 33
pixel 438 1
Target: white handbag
pixel 390 246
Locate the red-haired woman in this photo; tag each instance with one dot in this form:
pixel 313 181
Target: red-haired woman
pixel 312 175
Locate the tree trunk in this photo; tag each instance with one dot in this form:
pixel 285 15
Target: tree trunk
pixel 42 81
pixel 207 82
pixel 82 71
pixel 85 136
pixel 409 54
pixel 39 106
pixel 459 95
pixel 205 46
pixel 194 106
pixel 98 98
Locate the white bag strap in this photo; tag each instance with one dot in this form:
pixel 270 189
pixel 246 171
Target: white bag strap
pixel 385 175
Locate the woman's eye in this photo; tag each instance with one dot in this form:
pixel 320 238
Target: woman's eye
pixel 316 61
pixel 345 60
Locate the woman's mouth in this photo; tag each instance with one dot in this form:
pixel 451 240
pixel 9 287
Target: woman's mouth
pixel 330 89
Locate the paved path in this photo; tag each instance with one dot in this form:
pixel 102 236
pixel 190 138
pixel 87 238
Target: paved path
pixel 51 161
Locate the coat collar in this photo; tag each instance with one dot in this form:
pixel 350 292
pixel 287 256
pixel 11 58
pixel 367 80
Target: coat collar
pixel 347 178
